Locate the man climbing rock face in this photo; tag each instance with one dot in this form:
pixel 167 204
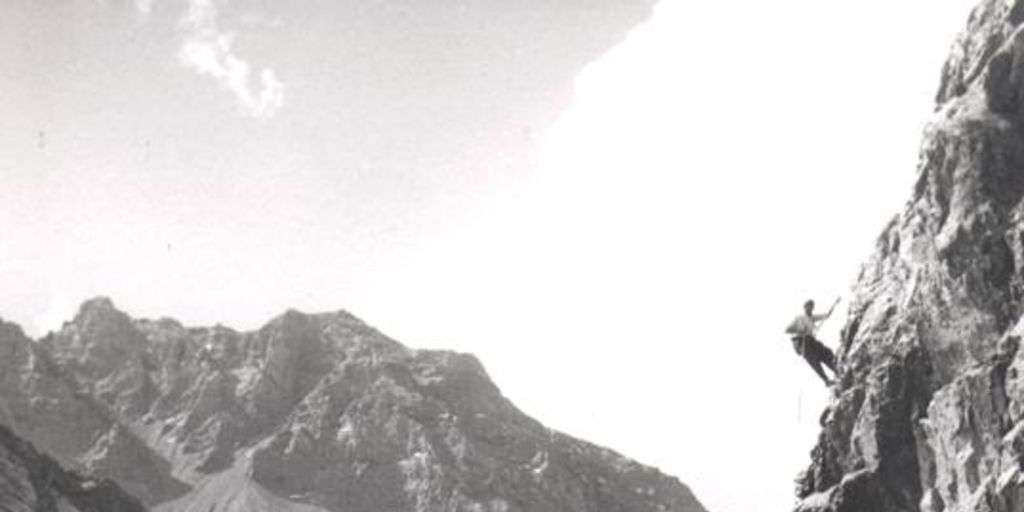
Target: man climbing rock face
pixel 802 330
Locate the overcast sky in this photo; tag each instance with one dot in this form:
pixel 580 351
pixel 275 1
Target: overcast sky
pixel 616 206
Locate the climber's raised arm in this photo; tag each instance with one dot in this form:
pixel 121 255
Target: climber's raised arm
pixel 802 329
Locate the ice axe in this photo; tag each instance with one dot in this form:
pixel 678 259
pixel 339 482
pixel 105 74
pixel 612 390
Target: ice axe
pixel 834 304
pixel 817 324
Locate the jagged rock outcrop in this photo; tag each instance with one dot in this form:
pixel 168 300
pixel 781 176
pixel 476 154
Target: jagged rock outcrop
pixel 67 415
pixel 929 411
pixel 310 413
pixel 32 482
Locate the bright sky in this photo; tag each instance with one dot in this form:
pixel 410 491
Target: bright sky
pixel 621 248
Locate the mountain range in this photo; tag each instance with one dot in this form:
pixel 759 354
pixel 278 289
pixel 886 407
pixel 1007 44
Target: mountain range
pixel 309 413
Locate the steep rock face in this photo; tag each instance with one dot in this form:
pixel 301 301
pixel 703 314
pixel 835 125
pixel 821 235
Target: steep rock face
pixel 310 413
pixel 67 414
pixel 929 411
pixel 32 482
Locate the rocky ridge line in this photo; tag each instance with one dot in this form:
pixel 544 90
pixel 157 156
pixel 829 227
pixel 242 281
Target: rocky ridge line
pixel 308 413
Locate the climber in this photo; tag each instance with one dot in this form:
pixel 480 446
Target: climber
pixel 802 330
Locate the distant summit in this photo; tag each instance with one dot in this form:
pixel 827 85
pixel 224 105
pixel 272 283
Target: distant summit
pixel 309 413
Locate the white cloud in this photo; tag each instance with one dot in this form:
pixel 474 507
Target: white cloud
pixel 207 50
pixel 201 13
pixel 144 7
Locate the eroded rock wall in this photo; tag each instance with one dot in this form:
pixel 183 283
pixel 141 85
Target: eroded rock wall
pixel 927 414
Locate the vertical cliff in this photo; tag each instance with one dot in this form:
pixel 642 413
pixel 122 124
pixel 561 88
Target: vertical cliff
pixel 928 413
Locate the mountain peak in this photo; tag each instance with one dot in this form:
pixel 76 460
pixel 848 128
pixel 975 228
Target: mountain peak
pixel 310 412
pixel 100 312
pixel 338 316
pixel 11 330
pixel 98 303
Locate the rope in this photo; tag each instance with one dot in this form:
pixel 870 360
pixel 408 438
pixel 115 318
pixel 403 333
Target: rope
pixel 799 401
pixel 800 385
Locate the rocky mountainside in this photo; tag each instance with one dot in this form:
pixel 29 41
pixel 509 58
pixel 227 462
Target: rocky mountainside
pixel 310 413
pixel 32 482
pixel 929 411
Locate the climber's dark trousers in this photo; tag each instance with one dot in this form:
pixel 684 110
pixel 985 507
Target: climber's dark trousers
pixel 815 353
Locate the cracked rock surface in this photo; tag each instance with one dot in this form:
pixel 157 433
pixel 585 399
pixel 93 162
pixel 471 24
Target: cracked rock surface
pixel 929 410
